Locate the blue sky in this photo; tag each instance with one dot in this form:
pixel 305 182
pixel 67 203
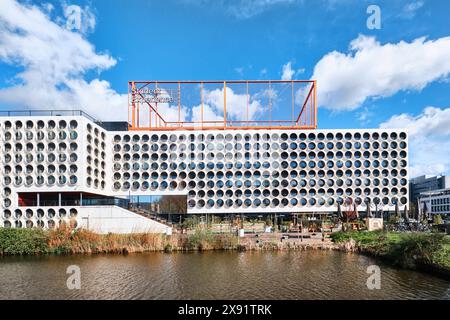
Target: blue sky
pixel 366 78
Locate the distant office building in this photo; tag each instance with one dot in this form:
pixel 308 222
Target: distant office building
pixel 436 202
pixel 426 184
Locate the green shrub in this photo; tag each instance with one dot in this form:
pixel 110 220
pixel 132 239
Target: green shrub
pixel 442 256
pixel 200 240
pixel 361 237
pixel 393 219
pixel 23 241
pixel 414 248
pixel 404 249
pixel 437 219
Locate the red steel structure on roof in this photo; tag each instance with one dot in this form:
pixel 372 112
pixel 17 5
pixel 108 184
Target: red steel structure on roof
pixel 222 105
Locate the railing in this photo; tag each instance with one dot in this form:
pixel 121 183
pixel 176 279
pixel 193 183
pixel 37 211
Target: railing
pixel 47 113
pixel 222 105
pixel 143 211
pixel 149 214
pixel 123 203
pixel 49 203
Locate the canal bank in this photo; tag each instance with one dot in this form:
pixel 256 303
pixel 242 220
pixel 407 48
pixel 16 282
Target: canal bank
pixel 429 252
pixel 78 241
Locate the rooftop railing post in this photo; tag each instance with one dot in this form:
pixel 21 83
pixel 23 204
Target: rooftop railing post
pixel 224 104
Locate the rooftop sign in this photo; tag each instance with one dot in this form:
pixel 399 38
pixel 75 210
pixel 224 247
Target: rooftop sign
pixel 222 105
pixel 157 95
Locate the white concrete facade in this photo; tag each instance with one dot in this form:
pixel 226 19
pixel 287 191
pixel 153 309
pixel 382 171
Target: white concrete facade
pixel 257 171
pixel 106 219
pixel 220 172
pixel 436 202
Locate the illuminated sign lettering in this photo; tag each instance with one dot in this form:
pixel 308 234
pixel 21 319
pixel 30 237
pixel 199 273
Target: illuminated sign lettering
pixel 153 95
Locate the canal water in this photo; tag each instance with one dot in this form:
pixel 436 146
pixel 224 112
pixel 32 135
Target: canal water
pixel 214 275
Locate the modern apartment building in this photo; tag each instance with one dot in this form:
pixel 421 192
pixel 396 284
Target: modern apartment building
pixel 69 168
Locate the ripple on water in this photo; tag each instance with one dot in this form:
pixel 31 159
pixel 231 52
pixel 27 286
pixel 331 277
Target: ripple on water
pixel 214 275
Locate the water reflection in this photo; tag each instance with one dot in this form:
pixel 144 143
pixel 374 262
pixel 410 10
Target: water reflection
pixel 213 275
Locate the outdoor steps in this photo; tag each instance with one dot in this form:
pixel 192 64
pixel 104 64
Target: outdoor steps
pixel 149 215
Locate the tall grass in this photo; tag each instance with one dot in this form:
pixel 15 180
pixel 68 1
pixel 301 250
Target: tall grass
pixel 68 241
pixel 65 240
pixel 205 240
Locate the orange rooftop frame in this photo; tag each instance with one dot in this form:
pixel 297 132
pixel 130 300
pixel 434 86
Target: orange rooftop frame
pixel 222 105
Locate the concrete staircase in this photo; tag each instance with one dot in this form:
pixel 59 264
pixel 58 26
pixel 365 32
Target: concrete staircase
pixel 114 219
pixel 150 215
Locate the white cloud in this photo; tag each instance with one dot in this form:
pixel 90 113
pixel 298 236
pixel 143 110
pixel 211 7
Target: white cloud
pixel 84 18
pixel 409 10
pixel 263 72
pixel 209 114
pixel 373 70
pixel 364 117
pixel 53 63
pixel 213 108
pixel 236 104
pixel 431 122
pixel 247 9
pixel 429 139
pixel 243 9
pixel 168 112
pixel 239 71
pixel 48 7
pixel 287 72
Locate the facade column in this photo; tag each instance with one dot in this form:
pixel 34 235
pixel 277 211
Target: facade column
pixel 38 200
pixel 59 199
pixel 81 199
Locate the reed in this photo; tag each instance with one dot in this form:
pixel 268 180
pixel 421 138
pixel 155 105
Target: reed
pixel 66 240
pixel 69 241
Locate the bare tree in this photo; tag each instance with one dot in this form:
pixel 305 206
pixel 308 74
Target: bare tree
pixel 173 204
